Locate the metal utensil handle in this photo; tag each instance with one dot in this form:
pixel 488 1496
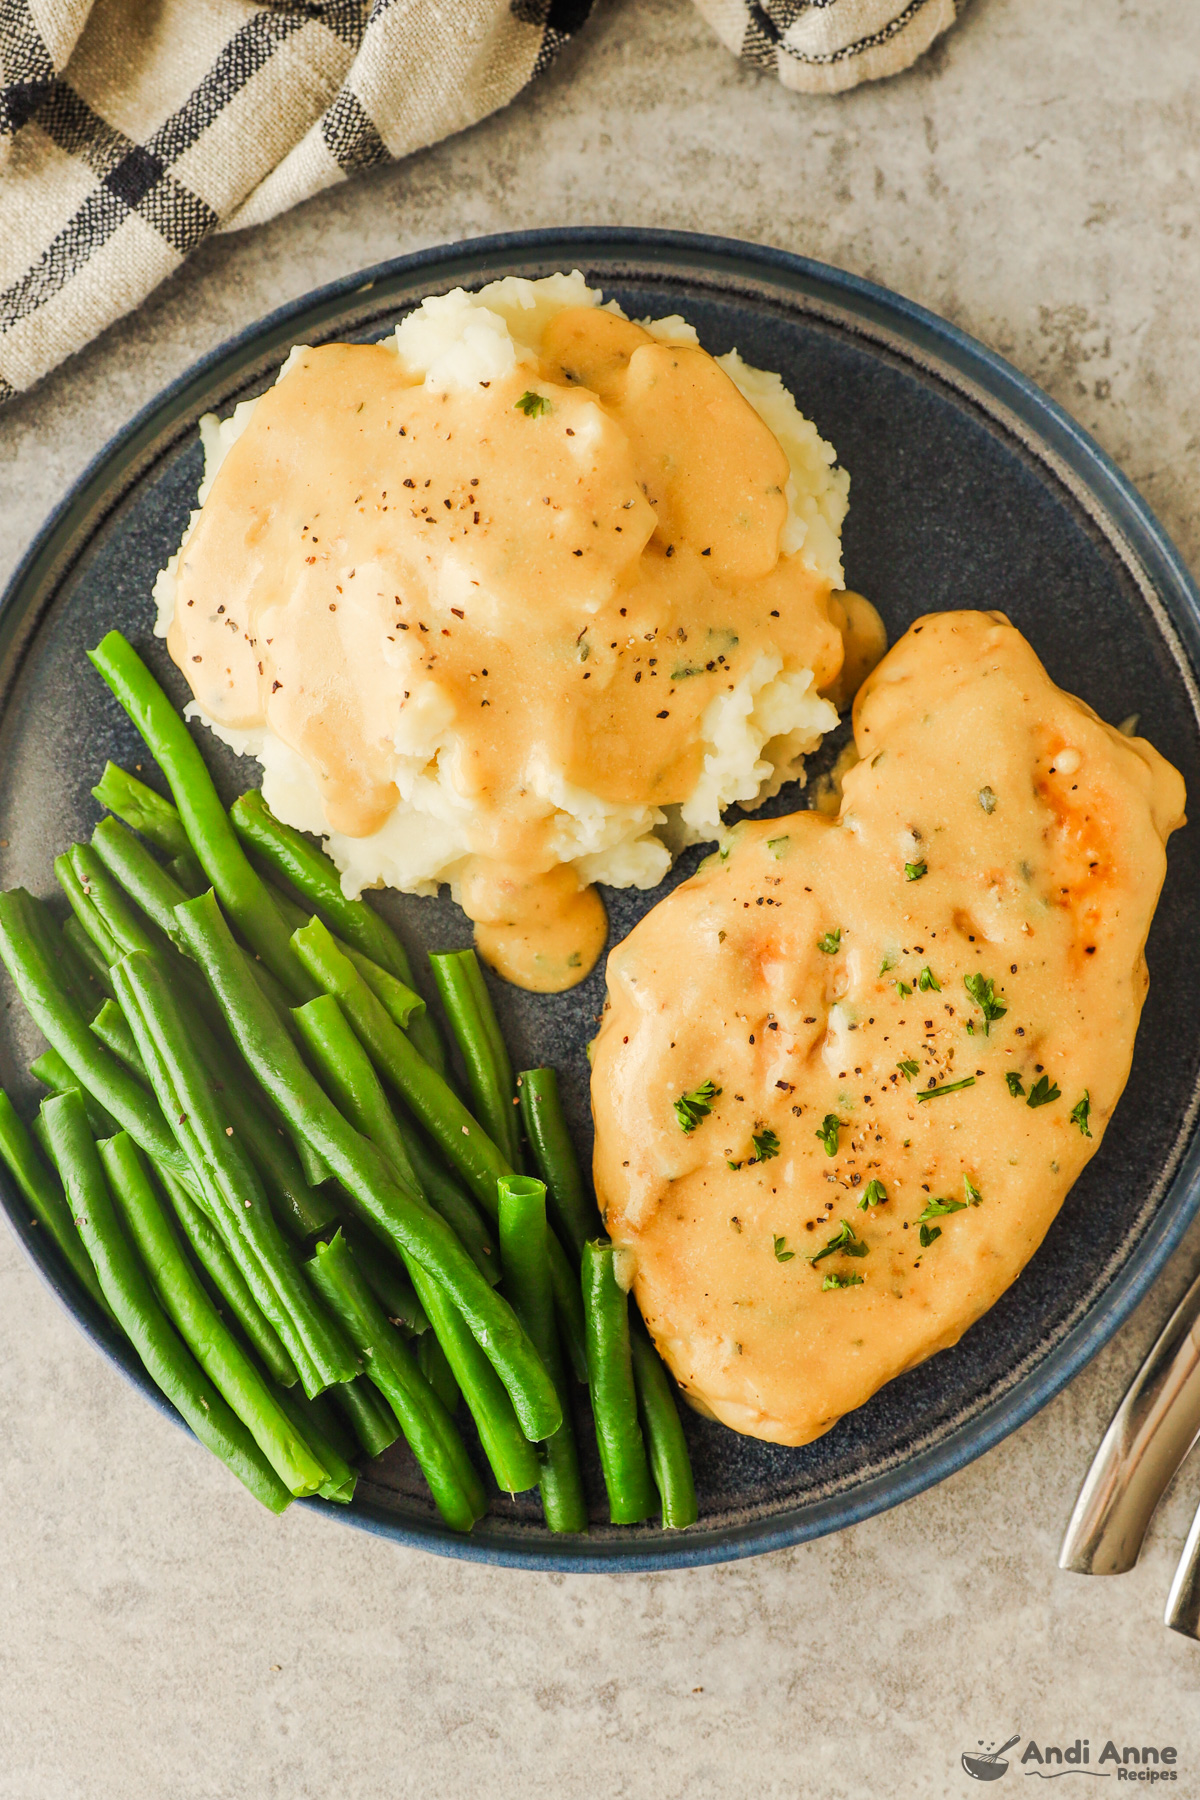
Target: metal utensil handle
pixel 1183 1602
pixel 1152 1431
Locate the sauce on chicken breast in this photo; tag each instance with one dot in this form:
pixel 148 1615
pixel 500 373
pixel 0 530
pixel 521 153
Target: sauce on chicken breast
pixel 850 1070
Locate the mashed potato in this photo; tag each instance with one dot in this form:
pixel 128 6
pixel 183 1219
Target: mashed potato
pixel 707 511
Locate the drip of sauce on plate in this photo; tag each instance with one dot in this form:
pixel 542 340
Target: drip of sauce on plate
pixel 864 636
pixel 542 932
pixel 903 1031
pixel 550 576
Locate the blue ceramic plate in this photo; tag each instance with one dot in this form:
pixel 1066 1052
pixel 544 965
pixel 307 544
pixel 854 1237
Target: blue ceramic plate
pixel 970 488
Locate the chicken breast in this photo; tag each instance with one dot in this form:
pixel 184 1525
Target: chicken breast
pixel 848 1073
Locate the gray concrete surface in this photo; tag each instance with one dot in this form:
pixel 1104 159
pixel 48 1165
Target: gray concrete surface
pixel 1034 180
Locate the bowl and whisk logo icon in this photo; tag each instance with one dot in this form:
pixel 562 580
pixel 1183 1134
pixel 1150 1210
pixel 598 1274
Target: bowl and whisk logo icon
pixel 987 1764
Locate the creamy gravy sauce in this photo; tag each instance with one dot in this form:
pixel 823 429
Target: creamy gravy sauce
pixel 995 828
pixel 567 583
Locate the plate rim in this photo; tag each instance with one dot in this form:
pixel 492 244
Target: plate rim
pixel 1096 482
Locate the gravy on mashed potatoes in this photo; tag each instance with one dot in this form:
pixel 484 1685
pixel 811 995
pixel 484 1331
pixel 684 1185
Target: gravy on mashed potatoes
pixel 518 599
pixel 851 1069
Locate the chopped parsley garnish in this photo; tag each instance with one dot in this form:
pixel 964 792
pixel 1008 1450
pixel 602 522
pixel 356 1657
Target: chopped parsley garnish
pixel 844 1242
pixel 1016 1086
pixel 1043 1092
pixel 927 980
pixel 974 1197
pixel 928 1233
pixel 903 989
pixel 831 943
pixel 532 405
pixel 987 799
pixel 982 990
pixel 935 1209
pixel 691 1108
pixel 827 1131
pixel 887 963
pixel 1080 1114
pixel 834 1280
pixel 951 1087
pixel 776 846
pixel 766 1144
pixel 875 1195
pixel 908 1068
pixel 914 871
pixel 782 1253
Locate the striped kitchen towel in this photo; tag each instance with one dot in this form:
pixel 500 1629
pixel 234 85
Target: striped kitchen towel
pixel 826 46
pixel 131 129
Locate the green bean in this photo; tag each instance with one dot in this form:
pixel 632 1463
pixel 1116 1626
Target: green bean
pixel 568 1305
pixel 122 923
pixel 84 950
pixel 139 806
pixel 294 916
pixel 346 1070
pixel 228 1282
pixel 314 1167
pixel 510 1454
pixel 72 971
pixel 388 1285
pixel 155 890
pixel 435 1367
pixel 373 1423
pixel 167 1360
pixel 44 1195
pixel 158 893
pixel 523 1233
pixel 631 1491
pixel 198 1323
pixel 554 1152
pixel 254 1122
pixel 329 1442
pixel 50 1069
pixel 186 871
pixel 428 1427
pixel 273 1149
pixel 468 1006
pixel 401 1002
pixel 231 1187
pixel 437 1107
pixel 81 905
pixel 348 1074
pixel 403 1005
pixel 663 1433
pixel 37 1131
pixel 241 888
pixel 126 928
pixel 112 1028
pixel 298 1208
pixel 316 876
pixel 67 1031
pixel 461 1139
pixel 418 1234
pixel 324 1422
pixel 446 1197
